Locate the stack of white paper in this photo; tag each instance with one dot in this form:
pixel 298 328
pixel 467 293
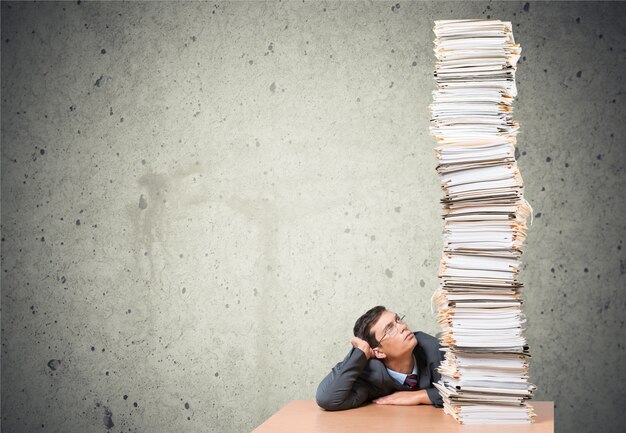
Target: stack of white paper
pixel 485 371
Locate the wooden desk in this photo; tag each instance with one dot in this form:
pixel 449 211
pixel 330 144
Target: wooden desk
pixel 304 416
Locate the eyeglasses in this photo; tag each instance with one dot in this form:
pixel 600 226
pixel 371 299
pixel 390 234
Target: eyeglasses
pixel 392 328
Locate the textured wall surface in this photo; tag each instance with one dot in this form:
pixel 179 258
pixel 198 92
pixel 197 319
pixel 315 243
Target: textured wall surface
pixel 199 199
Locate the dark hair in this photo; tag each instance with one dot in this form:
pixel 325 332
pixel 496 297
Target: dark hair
pixel 363 325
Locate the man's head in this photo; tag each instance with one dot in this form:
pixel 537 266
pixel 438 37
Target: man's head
pixel 386 335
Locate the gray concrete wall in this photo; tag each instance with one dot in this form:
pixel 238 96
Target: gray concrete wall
pixel 199 199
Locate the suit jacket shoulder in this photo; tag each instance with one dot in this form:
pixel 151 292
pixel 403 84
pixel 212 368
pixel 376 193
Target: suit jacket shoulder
pixel 429 344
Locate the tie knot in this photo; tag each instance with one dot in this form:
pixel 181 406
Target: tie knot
pixel 411 381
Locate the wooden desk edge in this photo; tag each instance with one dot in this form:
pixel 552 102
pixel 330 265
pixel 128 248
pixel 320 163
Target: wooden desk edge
pixel 543 409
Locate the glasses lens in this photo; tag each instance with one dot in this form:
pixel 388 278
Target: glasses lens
pixel 399 321
pixel 393 328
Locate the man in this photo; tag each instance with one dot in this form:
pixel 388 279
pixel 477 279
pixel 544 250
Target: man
pixel 388 364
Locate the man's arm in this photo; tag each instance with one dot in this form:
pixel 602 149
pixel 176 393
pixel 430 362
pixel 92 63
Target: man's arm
pixel 341 388
pixel 410 398
pixel 434 397
pixel 405 398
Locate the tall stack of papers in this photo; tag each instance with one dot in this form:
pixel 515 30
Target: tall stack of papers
pixel 484 376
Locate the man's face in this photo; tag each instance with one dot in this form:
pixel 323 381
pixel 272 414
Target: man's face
pixel 397 338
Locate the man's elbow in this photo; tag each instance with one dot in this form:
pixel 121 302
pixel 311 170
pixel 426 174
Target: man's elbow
pixel 434 397
pixel 325 404
pixel 328 403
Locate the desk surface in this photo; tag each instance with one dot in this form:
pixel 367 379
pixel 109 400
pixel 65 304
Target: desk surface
pixel 304 416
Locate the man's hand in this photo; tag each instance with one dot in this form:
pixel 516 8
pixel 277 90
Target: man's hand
pixel 363 346
pixel 404 398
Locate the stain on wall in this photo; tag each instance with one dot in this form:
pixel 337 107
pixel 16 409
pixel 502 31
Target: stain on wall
pixel 198 200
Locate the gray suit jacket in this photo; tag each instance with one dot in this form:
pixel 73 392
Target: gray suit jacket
pixel 357 380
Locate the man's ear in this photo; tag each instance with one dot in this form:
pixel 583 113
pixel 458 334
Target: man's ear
pixel 379 353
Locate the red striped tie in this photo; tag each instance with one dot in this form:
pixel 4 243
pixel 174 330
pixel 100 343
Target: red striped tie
pixel 411 381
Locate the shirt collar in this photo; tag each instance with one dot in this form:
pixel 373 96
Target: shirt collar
pixel 401 377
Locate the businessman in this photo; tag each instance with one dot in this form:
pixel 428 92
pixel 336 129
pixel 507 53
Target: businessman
pixel 388 364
